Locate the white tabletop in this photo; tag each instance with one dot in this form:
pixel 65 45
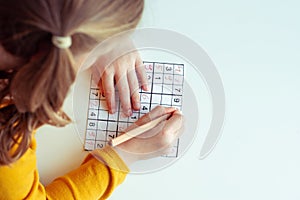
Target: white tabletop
pixel 256 46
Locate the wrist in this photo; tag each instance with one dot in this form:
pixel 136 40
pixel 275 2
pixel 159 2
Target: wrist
pixel 127 157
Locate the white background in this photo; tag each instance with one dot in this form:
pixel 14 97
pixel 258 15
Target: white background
pixel 256 47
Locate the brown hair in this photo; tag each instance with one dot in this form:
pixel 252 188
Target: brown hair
pixel 32 94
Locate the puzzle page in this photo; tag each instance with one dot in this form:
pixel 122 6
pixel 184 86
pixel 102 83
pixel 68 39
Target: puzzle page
pixel 165 88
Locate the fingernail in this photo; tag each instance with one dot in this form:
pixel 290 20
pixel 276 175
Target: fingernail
pixel 112 111
pixel 146 87
pixel 170 109
pixel 122 115
pixel 136 105
pixel 129 112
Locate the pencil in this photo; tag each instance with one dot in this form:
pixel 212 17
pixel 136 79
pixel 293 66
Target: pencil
pixel 138 131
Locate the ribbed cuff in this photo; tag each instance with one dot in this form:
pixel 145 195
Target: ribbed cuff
pixel 111 158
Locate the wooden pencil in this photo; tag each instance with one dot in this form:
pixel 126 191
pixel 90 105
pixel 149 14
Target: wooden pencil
pixel 138 131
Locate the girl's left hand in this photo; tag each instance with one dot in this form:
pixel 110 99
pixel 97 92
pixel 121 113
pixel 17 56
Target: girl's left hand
pixel 125 73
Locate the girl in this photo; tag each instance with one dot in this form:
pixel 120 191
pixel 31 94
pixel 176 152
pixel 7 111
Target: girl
pixel 41 45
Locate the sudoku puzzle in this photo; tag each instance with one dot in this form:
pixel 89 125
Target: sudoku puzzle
pixel 165 88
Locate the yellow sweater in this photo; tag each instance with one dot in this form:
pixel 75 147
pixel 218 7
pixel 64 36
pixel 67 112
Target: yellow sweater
pixel 94 179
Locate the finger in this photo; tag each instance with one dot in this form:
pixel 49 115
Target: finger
pixel 158 144
pixel 124 93
pixel 109 90
pixel 153 114
pixel 174 123
pixel 176 118
pixel 95 74
pixel 152 132
pixel 141 73
pixel 134 89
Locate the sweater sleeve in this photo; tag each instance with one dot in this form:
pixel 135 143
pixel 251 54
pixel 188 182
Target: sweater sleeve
pixel 96 178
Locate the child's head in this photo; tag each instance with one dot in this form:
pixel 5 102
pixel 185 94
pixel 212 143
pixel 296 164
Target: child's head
pixel 38 87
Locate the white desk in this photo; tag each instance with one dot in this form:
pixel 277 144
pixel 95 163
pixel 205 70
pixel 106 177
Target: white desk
pixel 256 47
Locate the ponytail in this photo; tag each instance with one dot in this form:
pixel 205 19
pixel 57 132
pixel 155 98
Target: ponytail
pixel 51 71
pixel 38 90
pixel 32 95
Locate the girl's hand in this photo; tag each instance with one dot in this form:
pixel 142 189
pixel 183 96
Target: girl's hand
pixel 155 142
pixel 124 73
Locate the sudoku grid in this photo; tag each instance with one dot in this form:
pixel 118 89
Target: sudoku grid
pixel 165 88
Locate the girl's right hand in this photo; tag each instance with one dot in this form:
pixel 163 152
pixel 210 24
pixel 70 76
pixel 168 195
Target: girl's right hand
pixel 155 142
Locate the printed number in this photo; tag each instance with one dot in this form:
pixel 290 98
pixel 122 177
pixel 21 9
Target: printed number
pixel 177 100
pixel 111 136
pixel 99 146
pixel 169 68
pixel 133 117
pixel 144 108
pixel 93 114
pixel 92 124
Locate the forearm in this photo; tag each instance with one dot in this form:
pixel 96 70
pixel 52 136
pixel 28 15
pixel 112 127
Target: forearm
pixel 96 178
